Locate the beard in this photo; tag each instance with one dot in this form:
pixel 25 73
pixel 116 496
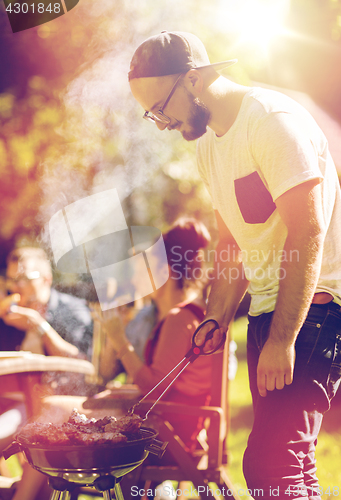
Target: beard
pixel 199 117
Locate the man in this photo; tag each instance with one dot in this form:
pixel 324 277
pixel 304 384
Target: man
pixel 277 200
pixel 37 318
pixel 43 320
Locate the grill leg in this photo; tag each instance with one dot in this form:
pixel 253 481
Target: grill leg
pixel 55 495
pixel 60 495
pixel 118 492
pixel 107 495
pixel 60 488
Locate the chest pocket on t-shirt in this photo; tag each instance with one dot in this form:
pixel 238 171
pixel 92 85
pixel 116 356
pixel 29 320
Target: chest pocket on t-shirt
pixel 254 200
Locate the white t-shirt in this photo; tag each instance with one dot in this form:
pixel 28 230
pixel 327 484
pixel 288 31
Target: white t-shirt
pixel 273 145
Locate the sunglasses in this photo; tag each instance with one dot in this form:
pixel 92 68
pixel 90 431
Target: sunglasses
pixel 22 280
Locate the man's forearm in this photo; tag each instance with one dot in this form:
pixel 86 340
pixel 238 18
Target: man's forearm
pixel 228 288
pixel 300 208
pixel 277 360
pixel 56 346
pixel 297 287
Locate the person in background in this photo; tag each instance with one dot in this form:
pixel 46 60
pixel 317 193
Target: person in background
pixel 41 320
pixel 274 187
pixel 178 307
pixel 37 318
pixel 140 328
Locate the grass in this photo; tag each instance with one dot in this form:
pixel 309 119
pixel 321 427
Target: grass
pixel 329 442
pixel 240 408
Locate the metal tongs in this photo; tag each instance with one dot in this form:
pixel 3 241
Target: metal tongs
pixel 190 356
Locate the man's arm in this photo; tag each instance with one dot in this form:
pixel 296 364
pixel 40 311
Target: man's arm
pixel 301 210
pixel 25 318
pixel 229 285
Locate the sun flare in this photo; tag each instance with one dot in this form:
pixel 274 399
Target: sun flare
pixel 254 22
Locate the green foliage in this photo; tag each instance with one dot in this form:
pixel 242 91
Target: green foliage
pixel 70 127
pixel 335 9
pixel 78 131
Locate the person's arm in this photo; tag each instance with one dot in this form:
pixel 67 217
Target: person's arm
pixel 120 345
pixel 229 285
pixel 173 343
pixel 30 319
pixel 301 210
pixel 108 363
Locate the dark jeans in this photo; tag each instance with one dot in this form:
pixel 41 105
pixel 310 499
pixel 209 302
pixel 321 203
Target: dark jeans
pixel 281 448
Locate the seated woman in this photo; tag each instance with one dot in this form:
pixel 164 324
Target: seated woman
pixel 179 309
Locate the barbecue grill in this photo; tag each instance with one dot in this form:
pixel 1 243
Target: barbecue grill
pixel 103 465
pixel 100 465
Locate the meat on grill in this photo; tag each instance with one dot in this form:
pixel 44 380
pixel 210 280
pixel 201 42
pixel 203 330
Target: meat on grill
pixel 81 430
pixel 129 424
pixel 38 433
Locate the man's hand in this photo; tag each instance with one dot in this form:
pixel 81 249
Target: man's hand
pixel 23 318
pixel 28 319
pixel 7 302
pixel 212 343
pixel 275 366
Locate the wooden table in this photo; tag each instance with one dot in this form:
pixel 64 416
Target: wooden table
pixel 20 371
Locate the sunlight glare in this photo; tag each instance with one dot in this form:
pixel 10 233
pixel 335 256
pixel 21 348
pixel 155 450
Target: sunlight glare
pixel 254 22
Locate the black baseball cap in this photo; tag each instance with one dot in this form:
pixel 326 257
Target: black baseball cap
pixel 171 53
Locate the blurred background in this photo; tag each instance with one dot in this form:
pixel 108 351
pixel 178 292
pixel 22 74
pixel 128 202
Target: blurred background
pixel 70 127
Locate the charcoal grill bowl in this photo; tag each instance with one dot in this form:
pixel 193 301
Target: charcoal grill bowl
pixel 100 466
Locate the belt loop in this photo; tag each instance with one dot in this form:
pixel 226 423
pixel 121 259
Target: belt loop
pixel 334 306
